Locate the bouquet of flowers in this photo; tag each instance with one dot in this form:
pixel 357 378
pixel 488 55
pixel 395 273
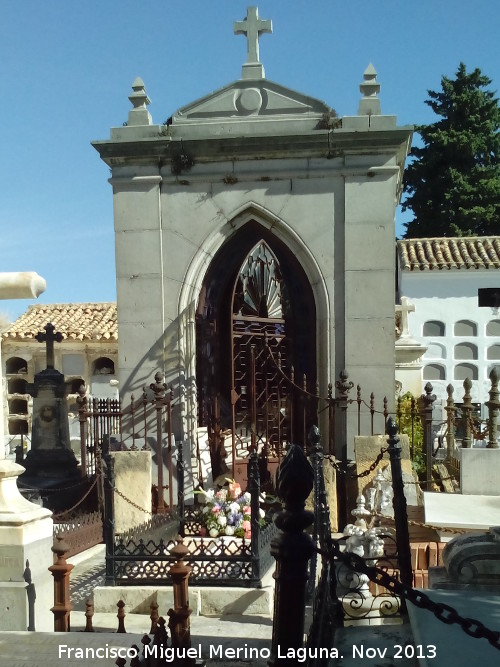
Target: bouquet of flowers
pixel 228 512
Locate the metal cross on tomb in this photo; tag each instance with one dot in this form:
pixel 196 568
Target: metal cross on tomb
pixel 252 27
pixel 49 338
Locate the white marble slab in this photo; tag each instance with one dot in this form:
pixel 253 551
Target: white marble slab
pixel 454 510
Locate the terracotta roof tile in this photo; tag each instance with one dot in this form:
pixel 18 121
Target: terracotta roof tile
pixel 475 252
pixel 77 321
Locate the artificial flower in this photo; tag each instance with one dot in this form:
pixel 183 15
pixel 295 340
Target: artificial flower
pixel 224 515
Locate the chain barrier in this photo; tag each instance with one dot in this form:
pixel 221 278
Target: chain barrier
pixel 68 511
pixel 457 531
pixel 442 612
pixel 65 488
pixel 365 473
pixel 425 482
pixel 476 432
pixel 131 502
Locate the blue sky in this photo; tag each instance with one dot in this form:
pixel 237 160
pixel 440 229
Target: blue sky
pixel 67 68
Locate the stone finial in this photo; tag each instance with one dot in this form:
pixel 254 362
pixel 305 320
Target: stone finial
pixel 369 104
pixel 139 115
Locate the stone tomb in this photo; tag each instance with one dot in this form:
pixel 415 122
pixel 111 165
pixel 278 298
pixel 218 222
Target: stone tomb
pixel 479 471
pixel 254 162
pixel 51 459
pixel 454 510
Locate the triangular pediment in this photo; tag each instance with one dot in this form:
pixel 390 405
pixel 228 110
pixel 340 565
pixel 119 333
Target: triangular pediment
pixel 253 99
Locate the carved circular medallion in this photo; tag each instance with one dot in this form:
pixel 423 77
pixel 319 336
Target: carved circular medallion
pixel 250 100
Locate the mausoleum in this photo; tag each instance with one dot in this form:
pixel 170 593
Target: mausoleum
pixel 254 211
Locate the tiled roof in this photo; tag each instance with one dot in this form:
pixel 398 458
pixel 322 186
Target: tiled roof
pixel 76 321
pixel 475 252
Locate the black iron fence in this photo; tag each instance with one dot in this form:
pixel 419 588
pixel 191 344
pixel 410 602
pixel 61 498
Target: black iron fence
pixel 346 594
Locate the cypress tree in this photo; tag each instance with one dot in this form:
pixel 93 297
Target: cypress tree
pixel 453 184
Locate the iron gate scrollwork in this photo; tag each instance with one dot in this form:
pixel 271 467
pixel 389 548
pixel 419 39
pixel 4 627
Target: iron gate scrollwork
pixel 259 396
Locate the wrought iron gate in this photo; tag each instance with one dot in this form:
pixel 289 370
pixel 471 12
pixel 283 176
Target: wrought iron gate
pixel 259 398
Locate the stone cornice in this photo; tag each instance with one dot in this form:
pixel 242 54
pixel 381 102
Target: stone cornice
pixel 319 143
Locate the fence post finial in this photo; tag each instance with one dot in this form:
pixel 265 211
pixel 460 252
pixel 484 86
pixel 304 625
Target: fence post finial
pixel 61 571
pixel 450 426
pixel 493 405
pixel 179 622
pixel 426 406
pixel 467 409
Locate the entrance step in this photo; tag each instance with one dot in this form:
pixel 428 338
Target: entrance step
pixel 203 600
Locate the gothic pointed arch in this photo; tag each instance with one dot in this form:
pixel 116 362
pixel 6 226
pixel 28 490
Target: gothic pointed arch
pixel 255 288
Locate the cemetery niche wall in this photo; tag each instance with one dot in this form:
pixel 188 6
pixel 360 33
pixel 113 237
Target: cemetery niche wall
pixel 87 355
pixel 254 210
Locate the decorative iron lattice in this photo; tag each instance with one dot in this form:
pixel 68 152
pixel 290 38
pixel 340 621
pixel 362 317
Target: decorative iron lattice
pixel 360 598
pixel 260 397
pixel 259 394
pixel 215 561
pixel 80 532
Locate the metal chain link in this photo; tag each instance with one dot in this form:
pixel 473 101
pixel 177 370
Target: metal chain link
pixel 61 514
pixel 64 488
pixel 458 531
pixel 442 612
pixel 365 473
pixel 131 502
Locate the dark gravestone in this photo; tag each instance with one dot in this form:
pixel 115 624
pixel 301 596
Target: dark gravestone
pixel 51 459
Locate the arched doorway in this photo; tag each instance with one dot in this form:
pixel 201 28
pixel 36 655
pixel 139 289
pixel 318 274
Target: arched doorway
pixel 255 290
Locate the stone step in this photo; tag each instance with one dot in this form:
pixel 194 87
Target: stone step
pixel 203 600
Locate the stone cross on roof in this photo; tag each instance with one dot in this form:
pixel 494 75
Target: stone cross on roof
pixel 253 27
pixel 49 338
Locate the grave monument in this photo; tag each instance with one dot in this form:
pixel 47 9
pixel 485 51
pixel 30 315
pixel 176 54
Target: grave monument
pixel 255 172
pixel 51 461
pixel 26 587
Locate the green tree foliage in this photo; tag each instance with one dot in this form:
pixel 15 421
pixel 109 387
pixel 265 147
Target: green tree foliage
pixel 409 422
pixel 453 184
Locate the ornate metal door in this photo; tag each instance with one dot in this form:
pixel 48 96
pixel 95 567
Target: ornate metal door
pixel 258 330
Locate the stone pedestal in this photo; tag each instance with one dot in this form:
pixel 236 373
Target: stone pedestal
pixel 479 471
pixel 133 481
pixel 409 364
pixel 26 589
